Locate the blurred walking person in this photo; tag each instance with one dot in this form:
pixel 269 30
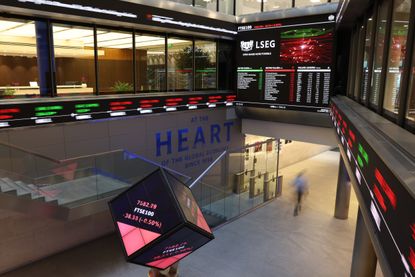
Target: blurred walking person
pixel 301 187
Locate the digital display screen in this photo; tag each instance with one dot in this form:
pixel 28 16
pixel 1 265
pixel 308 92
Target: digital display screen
pixel 172 249
pixel 188 204
pixel 159 221
pixel 30 114
pixel 286 64
pixel 390 204
pixel 125 11
pixel 144 212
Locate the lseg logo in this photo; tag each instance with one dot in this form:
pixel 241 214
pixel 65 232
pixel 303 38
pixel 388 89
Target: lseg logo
pixel 247 46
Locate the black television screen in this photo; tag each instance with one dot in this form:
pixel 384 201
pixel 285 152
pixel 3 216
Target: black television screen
pixel 286 64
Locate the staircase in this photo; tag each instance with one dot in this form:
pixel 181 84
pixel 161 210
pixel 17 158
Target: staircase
pixel 70 189
pixel 21 189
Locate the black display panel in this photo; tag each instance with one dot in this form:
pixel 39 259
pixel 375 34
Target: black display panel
pixel 286 64
pixel 159 221
pixel 390 204
pixel 130 12
pixel 172 249
pixel 54 111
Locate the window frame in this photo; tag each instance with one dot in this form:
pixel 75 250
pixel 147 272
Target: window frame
pixel 404 77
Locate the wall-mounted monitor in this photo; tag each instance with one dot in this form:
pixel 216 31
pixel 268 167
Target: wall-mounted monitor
pixel 286 64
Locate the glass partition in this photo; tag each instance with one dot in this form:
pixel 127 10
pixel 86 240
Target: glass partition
pixel 304 3
pixel 150 62
pixel 366 54
pixel 186 2
pixel 410 112
pixel 180 64
pixel 115 62
pixel 378 53
pixel 205 65
pixel 226 6
pixel 396 57
pixel 238 181
pixel 18 59
pixel 352 61
pixel 359 58
pixel 272 5
pixel 207 4
pixel 74 59
pixel 247 7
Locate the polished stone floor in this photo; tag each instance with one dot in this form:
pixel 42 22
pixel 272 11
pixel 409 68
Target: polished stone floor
pixel 270 241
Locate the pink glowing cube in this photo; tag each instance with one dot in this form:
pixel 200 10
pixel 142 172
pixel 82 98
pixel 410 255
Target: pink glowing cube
pixel 159 221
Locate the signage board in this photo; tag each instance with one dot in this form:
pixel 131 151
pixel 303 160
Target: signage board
pixel 59 111
pixel 129 12
pixel 390 204
pixel 286 64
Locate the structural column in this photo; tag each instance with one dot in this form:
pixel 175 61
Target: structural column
pixel 45 58
pixel 343 192
pixel 364 256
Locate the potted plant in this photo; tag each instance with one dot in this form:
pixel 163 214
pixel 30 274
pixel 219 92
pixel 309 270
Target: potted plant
pixel 121 87
pixel 8 92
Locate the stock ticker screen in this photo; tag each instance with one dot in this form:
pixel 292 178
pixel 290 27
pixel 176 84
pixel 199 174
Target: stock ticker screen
pixel 286 64
pixel 390 204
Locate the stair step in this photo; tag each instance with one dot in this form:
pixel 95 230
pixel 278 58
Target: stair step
pixel 41 193
pixel 33 190
pixel 4 187
pixel 21 192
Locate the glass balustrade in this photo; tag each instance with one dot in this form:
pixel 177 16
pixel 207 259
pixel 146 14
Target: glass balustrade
pixel 235 183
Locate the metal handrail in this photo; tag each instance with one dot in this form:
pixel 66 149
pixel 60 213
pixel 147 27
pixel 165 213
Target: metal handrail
pixel 34 153
pixel 91 155
pixel 208 169
pixel 29 152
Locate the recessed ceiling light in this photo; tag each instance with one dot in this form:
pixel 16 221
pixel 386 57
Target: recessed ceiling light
pixel 315 1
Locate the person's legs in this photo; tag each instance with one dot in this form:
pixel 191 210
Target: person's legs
pixel 300 197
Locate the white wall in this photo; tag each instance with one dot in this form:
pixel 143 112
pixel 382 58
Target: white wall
pixel 296 132
pixel 297 151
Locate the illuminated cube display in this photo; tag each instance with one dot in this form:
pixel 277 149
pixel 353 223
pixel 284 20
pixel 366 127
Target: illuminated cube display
pixel 159 221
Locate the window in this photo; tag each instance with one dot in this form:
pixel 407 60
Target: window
pixel 186 2
pixel 180 64
pixel 305 3
pixel 366 54
pixel 150 62
pixel 74 59
pixel 378 53
pixel 396 56
pixel 352 62
pixel 18 59
pixel 410 112
pixel 205 65
pixel 359 58
pixel 248 6
pixel 207 4
pixel 272 5
pixel 226 6
pixel 115 62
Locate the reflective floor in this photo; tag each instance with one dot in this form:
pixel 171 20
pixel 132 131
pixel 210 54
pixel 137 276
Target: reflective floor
pixel 267 242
